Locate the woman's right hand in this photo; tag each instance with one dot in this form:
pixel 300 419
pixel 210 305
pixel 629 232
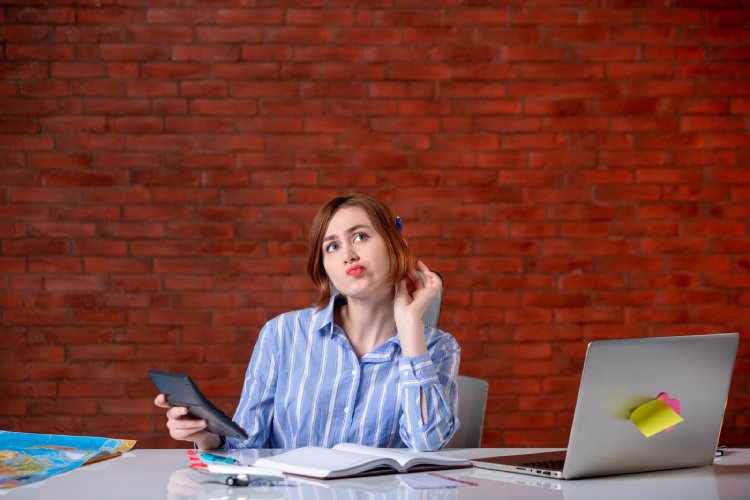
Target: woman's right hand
pixel 184 428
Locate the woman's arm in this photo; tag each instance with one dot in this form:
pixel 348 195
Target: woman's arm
pixel 255 410
pixel 428 380
pixel 429 395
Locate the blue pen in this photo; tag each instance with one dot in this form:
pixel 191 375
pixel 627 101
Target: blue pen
pixel 209 457
pixel 398 225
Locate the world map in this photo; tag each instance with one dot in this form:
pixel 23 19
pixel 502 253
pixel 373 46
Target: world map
pixel 26 458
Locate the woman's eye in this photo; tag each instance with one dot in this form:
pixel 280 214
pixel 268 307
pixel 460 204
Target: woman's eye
pixel 360 237
pixel 332 247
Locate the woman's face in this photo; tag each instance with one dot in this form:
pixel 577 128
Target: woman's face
pixel 354 254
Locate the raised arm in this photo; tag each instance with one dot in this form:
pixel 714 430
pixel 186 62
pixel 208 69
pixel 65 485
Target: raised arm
pixel 429 394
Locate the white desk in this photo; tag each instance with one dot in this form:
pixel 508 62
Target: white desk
pixel 157 474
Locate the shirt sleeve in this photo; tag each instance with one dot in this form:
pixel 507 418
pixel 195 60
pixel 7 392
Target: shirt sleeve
pixel 431 375
pixel 255 410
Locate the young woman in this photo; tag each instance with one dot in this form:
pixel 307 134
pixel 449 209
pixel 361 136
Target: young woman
pixel 360 367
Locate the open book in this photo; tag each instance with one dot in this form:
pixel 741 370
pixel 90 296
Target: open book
pixel 351 460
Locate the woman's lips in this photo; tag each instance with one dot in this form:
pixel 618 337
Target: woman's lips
pixel 355 271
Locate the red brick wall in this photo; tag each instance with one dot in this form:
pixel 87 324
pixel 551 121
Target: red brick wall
pixel 575 169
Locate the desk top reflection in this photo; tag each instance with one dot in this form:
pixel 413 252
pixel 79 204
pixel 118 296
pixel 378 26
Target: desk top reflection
pixel 165 474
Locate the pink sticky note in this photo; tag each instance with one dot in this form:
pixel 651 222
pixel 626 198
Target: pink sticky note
pixel 673 403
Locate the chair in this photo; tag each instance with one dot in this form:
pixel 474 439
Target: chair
pixel 431 316
pixel 472 402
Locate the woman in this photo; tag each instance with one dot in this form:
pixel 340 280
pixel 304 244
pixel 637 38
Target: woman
pixel 360 367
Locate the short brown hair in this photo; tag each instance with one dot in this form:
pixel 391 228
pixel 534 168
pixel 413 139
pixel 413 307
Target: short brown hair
pixel 383 221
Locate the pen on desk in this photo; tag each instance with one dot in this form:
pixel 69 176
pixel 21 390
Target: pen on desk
pixel 210 457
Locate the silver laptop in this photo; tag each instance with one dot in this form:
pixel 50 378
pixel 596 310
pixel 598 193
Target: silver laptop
pixel 619 375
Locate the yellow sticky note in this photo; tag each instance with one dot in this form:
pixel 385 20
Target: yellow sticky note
pixel 654 416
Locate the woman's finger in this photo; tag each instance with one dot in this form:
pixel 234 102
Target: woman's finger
pixel 161 401
pixel 176 412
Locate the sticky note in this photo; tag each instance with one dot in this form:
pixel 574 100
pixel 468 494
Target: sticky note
pixel 673 403
pixel 655 416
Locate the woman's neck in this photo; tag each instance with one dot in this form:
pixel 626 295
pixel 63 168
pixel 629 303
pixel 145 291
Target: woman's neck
pixel 367 323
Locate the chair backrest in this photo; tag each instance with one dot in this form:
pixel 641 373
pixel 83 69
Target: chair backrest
pixel 431 316
pixel 472 402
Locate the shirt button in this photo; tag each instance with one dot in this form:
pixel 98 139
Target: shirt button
pixel 354 373
pixel 419 372
pixel 346 410
pixel 405 372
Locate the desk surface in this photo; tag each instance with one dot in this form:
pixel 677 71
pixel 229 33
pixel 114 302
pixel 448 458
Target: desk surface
pixel 156 474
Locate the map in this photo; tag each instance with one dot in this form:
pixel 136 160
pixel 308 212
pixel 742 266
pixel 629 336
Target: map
pixel 27 458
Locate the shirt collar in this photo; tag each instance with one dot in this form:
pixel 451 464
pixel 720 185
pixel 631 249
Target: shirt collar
pixel 325 316
pixel 326 322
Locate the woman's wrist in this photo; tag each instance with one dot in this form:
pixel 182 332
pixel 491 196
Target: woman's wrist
pixel 411 338
pixel 209 441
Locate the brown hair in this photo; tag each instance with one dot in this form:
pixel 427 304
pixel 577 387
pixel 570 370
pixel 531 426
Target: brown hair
pixel 383 221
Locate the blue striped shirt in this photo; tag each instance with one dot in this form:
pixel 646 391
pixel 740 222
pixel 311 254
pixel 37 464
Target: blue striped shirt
pixel 305 386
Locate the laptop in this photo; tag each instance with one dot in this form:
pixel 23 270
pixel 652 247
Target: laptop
pixel 620 375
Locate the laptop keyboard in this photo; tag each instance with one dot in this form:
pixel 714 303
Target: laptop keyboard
pixel 544 464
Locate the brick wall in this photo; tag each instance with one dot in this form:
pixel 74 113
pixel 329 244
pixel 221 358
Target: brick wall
pixel 575 169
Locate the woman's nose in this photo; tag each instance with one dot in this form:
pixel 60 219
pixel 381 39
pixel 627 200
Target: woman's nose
pixel 349 254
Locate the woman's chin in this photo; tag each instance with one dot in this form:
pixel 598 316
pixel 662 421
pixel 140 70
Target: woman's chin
pixel 361 289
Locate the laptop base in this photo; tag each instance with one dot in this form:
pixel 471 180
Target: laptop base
pixel 546 464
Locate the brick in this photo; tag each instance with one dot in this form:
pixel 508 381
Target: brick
pixel 75 282
pixel 591 315
pixel 28 390
pixel 666 245
pixel 732 141
pixel 714 88
pixel 547 16
pixel 691 194
pixel 54 264
pixel 367 36
pixel 668 176
pixel 67 178
pixel 660 89
pixel 730 53
pixel 100 88
pixel 628 263
pixel 670 16
pixel 575 34
pixel 34 318
pixel 604 53
pixel 259 16
pixel 42 89
pixel 607 17
pixel 728 16
pixel 674 140
pixel 509 125
pixel 437 34
pixel 330 17
pixel 39 52
pixel 176 70
pixel 485 71
pixel 126 230
pixel 732 211
pixel 525 53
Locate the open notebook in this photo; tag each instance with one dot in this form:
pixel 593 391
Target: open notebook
pixel 352 460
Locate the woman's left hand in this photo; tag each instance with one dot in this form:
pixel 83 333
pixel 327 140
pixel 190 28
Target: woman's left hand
pixel 413 297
